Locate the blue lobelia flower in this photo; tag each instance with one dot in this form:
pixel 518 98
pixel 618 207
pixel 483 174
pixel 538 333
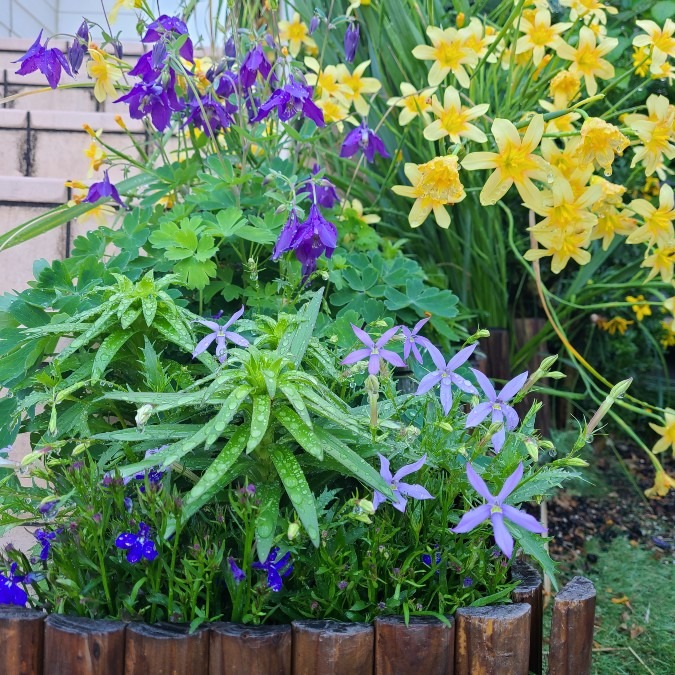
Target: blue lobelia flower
pixel 238 574
pixel 276 569
pixel 10 591
pixel 48 61
pixel 138 546
pixel 497 404
pixel 401 490
pixel 495 510
pixel 78 47
pixel 351 41
pixel 103 190
pixel 291 99
pixel 374 351
pixel 446 376
pixel 254 62
pixel 221 335
pixel 365 139
pixel 413 340
pixel 45 540
pixel 165 26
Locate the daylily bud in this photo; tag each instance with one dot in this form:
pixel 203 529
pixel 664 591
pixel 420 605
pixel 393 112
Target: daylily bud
pixel 143 414
pixel 542 371
pixel 120 122
pixel 460 20
pixel 293 531
pixel 89 130
pixel 618 391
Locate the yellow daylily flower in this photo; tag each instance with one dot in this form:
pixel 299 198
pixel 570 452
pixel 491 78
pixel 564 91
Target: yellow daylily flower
pixel 612 222
pixel 539 34
pixel 96 156
pixel 669 305
pixel 104 73
pixel 448 54
pixel 667 433
pixel 477 38
pixel 413 103
pixel 101 214
pixel 433 186
pixel 665 72
pixel 356 86
pixel 662 483
pixel 640 308
pixel 588 10
pixel 641 61
pixel 564 88
pixel 616 325
pixel 587 58
pixel 453 119
pixel 599 143
pixel 334 112
pixel 123 4
pixel 657 227
pixel 356 207
pixel 562 246
pixel 296 33
pixel 562 124
pixel 661 261
pixel 326 81
pixel 514 164
pixel 565 162
pixel 661 41
pixel 356 4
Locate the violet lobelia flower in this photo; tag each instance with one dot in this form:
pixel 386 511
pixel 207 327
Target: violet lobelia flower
pixel 78 47
pixel 210 115
pixel 238 574
pixel 221 335
pixel 291 99
pixel 351 41
pixel 254 62
pixel 365 139
pixel 48 61
pixel 497 405
pixel 321 190
pixel 446 376
pixel 103 190
pixel 374 351
pixel 10 591
pixel 495 510
pixel 413 340
pixel 45 540
pixel 165 26
pixel 401 490
pixel 276 569
pixel 138 546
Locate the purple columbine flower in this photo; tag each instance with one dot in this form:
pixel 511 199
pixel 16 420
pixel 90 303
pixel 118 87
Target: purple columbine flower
pixel 321 190
pixel 164 25
pixel 230 48
pixel 446 376
pixel 351 40
pixel 103 190
pixel 220 335
pixel 226 84
pixel 497 404
pixel 412 340
pixel 137 545
pixel 254 62
pixel 401 490
pixel 238 574
pixel 78 47
pixel 288 233
pixel 48 508
pixel 291 99
pixel 210 115
pixel 10 591
pixel 48 61
pixel 365 139
pixel 314 23
pixel 154 99
pixel 276 569
pixel 374 351
pixel 314 236
pixel 495 510
pixel 145 69
pixel 45 540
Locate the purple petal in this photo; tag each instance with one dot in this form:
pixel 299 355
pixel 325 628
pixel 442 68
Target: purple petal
pixel 462 383
pixel 478 483
pixel 386 336
pixel 378 499
pixel 513 387
pixel 407 346
pixel 374 364
pixel 461 356
pixel 135 553
pixel 446 395
pixel 221 348
pixel 233 318
pixel 357 355
pixel 511 483
pixel 385 470
pixel 416 353
pixel 400 503
pixel 237 339
pixel 427 382
pixel 498 439
pixel 274 581
pixel 503 537
pixel 524 520
pixel 478 414
pixel 203 344
pixel 150 551
pixel 410 468
pixel 414 491
pixel 485 385
pixel 392 357
pixel 436 357
pixel 419 325
pixel 126 540
pixel 363 336
pixel 209 324
pixel 511 416
pixel 472 519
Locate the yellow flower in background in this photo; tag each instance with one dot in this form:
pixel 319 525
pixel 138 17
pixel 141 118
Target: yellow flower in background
pixel 326 81
pixel 433 186
pixel 661 41
pixel 477 38
pixel 667 433
pixel 101 214
pixel 564 88
pixel 562 209
pixel 355 209
pixel 588 10
pixel 662 483
pixel 562 246
pixel 96 156
pixel 661 261
pixel 413 103
pixel 123 4
pixel 104 73
pixel 665 72
pixel 454 119
pixel 448 54
pixel 356 4
pixel 539 34
pixel 669 305
pixel 599 143
pixel 657 133
pixel 640 308
pixel 514 164
pixel 356 86
pixel 562 124
pixel 296 33
pixel 641 61
pixel 657 225
pixel 334 112
pixel 616 325
pixel 587 59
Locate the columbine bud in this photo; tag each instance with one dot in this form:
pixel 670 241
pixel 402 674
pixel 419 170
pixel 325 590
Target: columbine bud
pixel 351 41
pixel 143 414
pixel 293 531
pixel 314 24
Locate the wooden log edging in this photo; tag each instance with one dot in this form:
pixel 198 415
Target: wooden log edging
pixel 479 640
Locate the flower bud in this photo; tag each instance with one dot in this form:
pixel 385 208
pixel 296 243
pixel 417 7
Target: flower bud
pixel 617 391
pixel 143 414
pixel 351 42
pixel 460 20
pixel 366 506
pixel 314 24
pixel 293 531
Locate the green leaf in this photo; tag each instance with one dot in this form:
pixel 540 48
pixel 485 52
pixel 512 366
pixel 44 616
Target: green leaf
pixel 92 332
pixel 269 496
pixel 107 350
pixel 294 398
pixel 297 489
pixel 153 432
pixel 663 10
pixel 260 418
pixel 229 409
pixel 305 437
pixel 295 341
pixel 423 298
pixel 149 304
pixel 541 483
pixel 228 222
pixel 195 274
pixel 533 545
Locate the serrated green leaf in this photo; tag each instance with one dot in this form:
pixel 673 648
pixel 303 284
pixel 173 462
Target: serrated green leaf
pixel 85 338
pixel 130 316
pixel 149 304
pixel 107 350
pixel 305 437
pixel 151 432
pixel 269 496
pixel 533 545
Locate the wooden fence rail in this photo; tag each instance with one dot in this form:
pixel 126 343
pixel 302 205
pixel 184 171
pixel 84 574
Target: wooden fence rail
pixel 494 640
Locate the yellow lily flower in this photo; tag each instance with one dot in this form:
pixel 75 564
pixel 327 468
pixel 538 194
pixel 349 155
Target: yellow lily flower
pixel 662 483
pixel 356 209
pixel 413 103
pixel 562 246
pixel 104 73
pixel 587 58
pixel 325 81
pixel 539 34
pixel 334 112
pixel 296 33
pixel 612 222
pixel 641 61
pixel 661 41
pixel 661 261
pixel 640 308
pixel 599 143
pixel 453 119
pixel 657 225
pixel 356 86
pixel 616 325
pixel 448 54
pixel 588 10
pixel 433 186
pixel 96 156
pixel 564 88
pixel 513 164
pixel 562 124
pixel 667 433
pixel 477 38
